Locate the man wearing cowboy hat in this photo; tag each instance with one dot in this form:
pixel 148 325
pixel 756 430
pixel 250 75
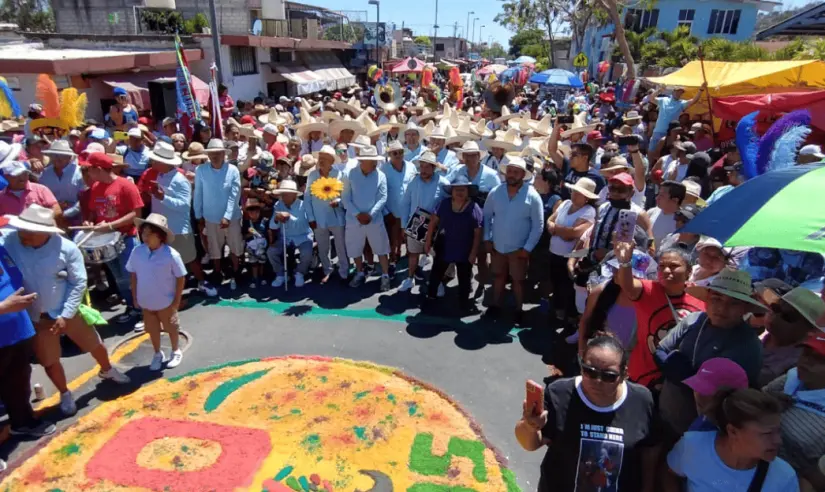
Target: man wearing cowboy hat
pixel 513 221
pixel 423 193
pixel 327 217
pixel 53 268
pixel 171 196
pixel 218 210
pixel 575 168
pixel 413 135
pixel 64 179
pixel 504 141
pixel 364 198
pixel 437 143
pixel 21 192
pixel 344 130
pixel 291 218
pixel 399 174
pixel 485 178
pixel 311 132
pixel 670 108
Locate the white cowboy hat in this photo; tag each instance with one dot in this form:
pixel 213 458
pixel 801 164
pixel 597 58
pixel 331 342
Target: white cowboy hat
pixel 517 162
pixel 427 115
pixel 419 106
pixel 536 147
pixel 345 123
pixel 579 125
pixel 351 106
pixel 437 132
pixel 544 126
pixel 60 147
pixel 370 128
pixel 35 218
pixel 158 221
pixel 370 153
pixel 215 146
pixel 508 140
pixel 165 154
pixel 329 116
pixel 480 130
pixel 413 127
pixel 469 147
pixel 8 125
pixel 524 126
pixel 506 115
pixel 428 157
pixel 327 150
pixel 305 165
pixel 451 137
pixel 394 145
pixel 360 142
pixel 9 152
pixel 632 115
pixel 308 125
pixel 585 186
pixel 732 283
pixel 287 186
pixel 393 123
pixel 273 117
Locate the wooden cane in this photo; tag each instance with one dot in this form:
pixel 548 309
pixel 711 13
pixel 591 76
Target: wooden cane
pixel 286 265
pixel 707 93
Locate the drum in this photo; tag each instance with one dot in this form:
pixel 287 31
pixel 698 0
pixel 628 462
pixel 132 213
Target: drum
pixel 101 247
pixel 418 225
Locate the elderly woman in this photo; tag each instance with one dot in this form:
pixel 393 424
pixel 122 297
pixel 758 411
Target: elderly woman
pixel 711 259
pixel 598 427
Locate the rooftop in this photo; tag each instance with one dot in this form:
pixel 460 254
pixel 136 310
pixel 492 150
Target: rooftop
pixel 35 58
pixel 810 22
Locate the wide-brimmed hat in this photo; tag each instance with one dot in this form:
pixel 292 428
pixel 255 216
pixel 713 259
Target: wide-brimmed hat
pixel 117 160
pixel 369 153
pixel 8 125
pixel 451 137
pixel 60 147
pixel 544 126
pixel 274 117
pixel 345 123
pixel 392 122
pixel 412 126
pixel 579 125
pixel 370 128
pixel 506 115
pixel 623 131
pixel 327 150
pixel 618 163
pixel 419 106
pixel 469 147
pixel 35 218
pixel 287 186
pixel 249 131
pixel 165 154
pixel 9 152
pixel 732 283
pixel 394 146
pixel 428 157
pixel 308 125
pixel 508 140
pixel 517 162
pixel 351 106
pixel 461 180
pixel 804 301
pixel 158 221
pixel 305 165
pixel 360 142
pixel 480 130
pixel 632 115
pixel 215 146
pixel 195 151
pixel 585 186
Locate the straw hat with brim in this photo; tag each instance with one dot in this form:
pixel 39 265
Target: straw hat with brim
pixel 585 186
pixel 804 301
pixel 731 283
pixel 346 123
pixel 249 131
pixel 9 125
pixel 393 123
pixel 195 151
pixel 469 147
pixel 461 180
pixel 215 146
pixel 165 154
pixel 517 162
pixel 60 147
pixel 506 115
pixel 624 131
pixel 480 130
pixel 305 165
pixel 544 127
pixel 158 221
pixel 117 160
pixel 413 127
pixel 273 117
pixel 579 126
pixel 35 218
pixel 508 140
pixel 632 116
pixel 287 186
pixel 428 158
pixel 369 153
pixel 9 152
pixel 617 163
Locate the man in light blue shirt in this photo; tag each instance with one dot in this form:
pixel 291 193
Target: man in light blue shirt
pixel 64 179
pixel 399 174
pixel 445 156
pixel 423 193
pixel 364 198
pixel 217 208
pixel 669 109
pixel 513 222
pixel 327 217
pixel 53 268
pixel 413 134
pixel 291 218
pixel 135 155
pixel 482 176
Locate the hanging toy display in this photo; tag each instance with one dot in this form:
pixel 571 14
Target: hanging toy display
pixel 777 148
pixel 456 86
pixel 61 110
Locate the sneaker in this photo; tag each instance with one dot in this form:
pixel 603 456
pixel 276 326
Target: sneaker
pixel 369 269
pixel 358 279
pixel 385 283
pixel 441 291
pixel 391 270
pixel 424 261
pixel 207 289
pixel 279 281
pixel 139 326
pixel 406 285
pixel 177 357
pixel 157 361
pixel 233 285
pixel 299 280
pixel 127 316
pixel 114 375
pixel 67 404
pixel 37 429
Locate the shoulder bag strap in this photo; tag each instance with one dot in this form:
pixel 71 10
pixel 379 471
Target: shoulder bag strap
pixel 759 476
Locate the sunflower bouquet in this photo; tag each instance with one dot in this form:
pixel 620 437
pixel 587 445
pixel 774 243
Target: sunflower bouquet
pixel 327 189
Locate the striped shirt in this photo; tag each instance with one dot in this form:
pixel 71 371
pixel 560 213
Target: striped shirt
pixel 802 431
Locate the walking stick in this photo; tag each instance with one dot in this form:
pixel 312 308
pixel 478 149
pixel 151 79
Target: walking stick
pixel 286 265
pixel 707 93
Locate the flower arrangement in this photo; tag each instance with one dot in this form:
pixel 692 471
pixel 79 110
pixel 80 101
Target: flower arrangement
pixel 327 189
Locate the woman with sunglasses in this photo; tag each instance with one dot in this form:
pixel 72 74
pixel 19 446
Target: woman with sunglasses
pixel 597 426
pixel 803 423
pixel 740 456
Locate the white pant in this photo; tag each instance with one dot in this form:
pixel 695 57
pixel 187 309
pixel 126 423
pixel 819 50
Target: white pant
pixel 322 237
pixel 357 235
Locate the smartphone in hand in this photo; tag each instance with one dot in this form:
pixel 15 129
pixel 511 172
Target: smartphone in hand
pixel 535 397
pixel 626 226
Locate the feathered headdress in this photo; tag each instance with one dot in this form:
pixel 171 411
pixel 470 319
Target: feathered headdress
pixel 60 110
pixel 8 104
pixel 777 148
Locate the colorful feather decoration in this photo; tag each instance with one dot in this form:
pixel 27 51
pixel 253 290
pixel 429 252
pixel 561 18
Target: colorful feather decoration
pixel 768 141
pixel 786 148
pixel 46 92
pixel 8 104
pixel 80 110
pixel 747 142
pixel 68 98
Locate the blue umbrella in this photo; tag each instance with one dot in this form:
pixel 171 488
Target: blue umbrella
pixel 557 76
pixel 524 59
pixel 508 74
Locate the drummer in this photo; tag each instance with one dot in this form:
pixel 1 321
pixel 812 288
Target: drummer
pixel 112 205
pixel 53 268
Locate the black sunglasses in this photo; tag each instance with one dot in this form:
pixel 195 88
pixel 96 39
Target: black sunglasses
pixel 600 374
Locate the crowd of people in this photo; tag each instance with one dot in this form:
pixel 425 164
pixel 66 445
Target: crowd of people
pixel 680 364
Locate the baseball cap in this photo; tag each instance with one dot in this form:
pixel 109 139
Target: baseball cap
pixel 99 160
pixel 692 188
pixel 120 91
pixel 708 242
pixel 135 132
pixel 169 121
pixel 689 212
pixel 716 374
pixel 816 342
pixel 594 135
pixel 689 148
pixel 814 150
pixel 14 168
pixel 623 178
pixel 271 129
pixel 99 134
pixel 247 120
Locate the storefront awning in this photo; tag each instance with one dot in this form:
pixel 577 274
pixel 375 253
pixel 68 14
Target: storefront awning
pixel 306 81
pixel 329 67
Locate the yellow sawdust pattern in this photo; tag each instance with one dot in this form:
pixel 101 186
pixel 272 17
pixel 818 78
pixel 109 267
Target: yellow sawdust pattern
pixel 179 454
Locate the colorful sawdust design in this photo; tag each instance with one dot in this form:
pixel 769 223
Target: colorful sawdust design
pixel 279 425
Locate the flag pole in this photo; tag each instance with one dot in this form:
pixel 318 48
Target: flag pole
pixel 707 93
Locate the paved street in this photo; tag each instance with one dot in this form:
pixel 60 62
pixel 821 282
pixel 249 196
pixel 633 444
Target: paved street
pixel 481 365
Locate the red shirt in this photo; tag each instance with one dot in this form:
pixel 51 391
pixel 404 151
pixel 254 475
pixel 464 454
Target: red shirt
pixel 144 183
pixel 654 320
pixel 278 150
pixel 111 201
pixel 12 204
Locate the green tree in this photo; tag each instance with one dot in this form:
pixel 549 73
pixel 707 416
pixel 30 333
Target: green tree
pixel 524 38
pixel 29 15
pixel 348 33
pixel 422 40
pixel 495 50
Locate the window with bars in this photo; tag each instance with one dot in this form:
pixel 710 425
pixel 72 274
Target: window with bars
pixel 638 20
pixel 686 18
pixel 244 60
pixel 724 21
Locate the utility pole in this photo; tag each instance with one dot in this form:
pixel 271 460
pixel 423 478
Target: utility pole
pixel 435 29
pixel 216 39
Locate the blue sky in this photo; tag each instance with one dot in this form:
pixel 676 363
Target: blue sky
pixel 419 15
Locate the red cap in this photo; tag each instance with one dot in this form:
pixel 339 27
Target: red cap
pixel 143 120
pixel 594 135
pixel 247 120
pixel 623 178
pixel 99 160
pixel 816 342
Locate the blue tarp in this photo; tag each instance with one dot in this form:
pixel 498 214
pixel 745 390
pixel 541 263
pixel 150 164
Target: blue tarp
pixel 558 77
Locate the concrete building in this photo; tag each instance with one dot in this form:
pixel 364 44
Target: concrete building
pixel 449 47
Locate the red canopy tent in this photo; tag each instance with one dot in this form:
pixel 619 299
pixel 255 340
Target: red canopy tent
pixel 409 65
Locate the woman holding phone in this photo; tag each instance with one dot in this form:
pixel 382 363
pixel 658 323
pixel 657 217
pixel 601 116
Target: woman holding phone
pixel 598 427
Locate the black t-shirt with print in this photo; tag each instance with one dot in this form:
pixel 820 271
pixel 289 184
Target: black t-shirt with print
pixel 593 448
pixel 571 176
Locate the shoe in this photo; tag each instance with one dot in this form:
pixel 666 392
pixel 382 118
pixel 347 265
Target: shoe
pixel 492 312
pixel 279 281
pixel 157 361
pixel 139 327
pixel 358 279
pixel 127 316
pixel 369 269
pixel 406 285
pixel 233 285
pixel 67 404
pixel 114 375
pixel 3 466
pixel 391 270
pixel 207 289
pixel 299 280
pixel 441 291
pixel 385 283
pixel 177 357
pixel 424 261
pixel 205 260
pixel 344 274
pixel 37 429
